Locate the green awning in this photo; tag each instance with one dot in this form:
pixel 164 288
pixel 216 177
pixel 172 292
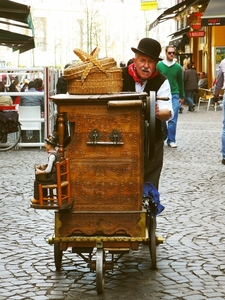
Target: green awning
pixel 16 16
pixel 13 11
pixel 16 41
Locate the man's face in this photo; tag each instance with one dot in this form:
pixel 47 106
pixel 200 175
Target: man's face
pixel 170 53
pixel 145 66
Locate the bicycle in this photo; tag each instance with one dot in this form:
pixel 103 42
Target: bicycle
pixel 10 129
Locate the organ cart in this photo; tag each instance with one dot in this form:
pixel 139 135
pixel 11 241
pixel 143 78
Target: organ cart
pixel 109 141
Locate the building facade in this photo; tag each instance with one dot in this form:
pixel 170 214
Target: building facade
pixel 61 26
pixel 199 34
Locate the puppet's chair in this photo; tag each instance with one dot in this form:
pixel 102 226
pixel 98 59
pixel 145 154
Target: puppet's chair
pixel 56 195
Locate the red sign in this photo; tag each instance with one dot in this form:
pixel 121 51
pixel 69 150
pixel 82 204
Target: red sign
pixel 195 20
pixel 214 21
pixel 195 34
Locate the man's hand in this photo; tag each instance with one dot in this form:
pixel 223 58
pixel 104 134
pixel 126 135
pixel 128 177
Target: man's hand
pixel 181 101
pixel 38 171
pixel 162 114
pixel 156 109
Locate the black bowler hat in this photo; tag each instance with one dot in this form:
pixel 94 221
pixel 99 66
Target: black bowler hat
pixel 149 47
pixel 52 140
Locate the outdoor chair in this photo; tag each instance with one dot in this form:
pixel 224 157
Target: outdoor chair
pixel 205 96
pixel 30 119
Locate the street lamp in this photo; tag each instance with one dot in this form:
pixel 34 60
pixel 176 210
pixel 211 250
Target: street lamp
pixel 55 52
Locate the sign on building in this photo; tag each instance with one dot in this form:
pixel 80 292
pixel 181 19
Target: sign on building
pixel 196 34
pixel 148 5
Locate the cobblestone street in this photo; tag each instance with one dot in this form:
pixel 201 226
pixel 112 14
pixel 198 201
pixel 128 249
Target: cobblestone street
pixel 191 261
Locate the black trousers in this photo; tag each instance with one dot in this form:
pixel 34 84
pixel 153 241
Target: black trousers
pixel 3 137
pixel 51 180
pixel 153 167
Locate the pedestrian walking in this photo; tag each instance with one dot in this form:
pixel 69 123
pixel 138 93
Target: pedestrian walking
pixel 174 72
pixel 218 85
pixel 190 86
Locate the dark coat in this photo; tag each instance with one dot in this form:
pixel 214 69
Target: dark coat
pixel 61 86
pixel 190 80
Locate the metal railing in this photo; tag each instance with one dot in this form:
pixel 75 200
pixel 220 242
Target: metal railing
pixel 50 77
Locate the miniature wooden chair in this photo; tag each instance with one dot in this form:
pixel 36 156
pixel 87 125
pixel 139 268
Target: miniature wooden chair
pixel 62 187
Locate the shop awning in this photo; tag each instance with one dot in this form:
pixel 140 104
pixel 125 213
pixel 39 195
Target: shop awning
pixel 13 11
pixel 180 32
pixel 214 14
pixel 174 11
pixel 179 37
pixel 16 16
pixel 16 41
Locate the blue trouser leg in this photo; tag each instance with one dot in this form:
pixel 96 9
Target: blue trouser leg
pixel 172 124
pixel 189 98
pixel 223 130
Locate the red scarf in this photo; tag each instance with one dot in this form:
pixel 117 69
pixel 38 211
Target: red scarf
pixel 133 72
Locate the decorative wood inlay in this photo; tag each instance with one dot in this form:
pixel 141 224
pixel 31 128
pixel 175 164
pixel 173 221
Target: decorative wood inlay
pixel 128 224
pixel 105 177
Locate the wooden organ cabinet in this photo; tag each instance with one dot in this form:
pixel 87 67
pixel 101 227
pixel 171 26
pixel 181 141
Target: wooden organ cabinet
pixel 106 154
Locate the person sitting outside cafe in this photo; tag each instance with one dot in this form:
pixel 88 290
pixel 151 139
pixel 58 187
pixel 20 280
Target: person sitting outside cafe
pixel 13 88
pixel 202 81
pixel 5 100
pixel 36 100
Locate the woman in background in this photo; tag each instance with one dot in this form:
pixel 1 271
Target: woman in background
pixel 5 100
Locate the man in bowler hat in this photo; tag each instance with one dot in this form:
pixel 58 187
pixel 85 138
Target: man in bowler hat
pixel 142 76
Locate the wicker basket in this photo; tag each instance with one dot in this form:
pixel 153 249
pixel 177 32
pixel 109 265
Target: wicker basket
pixel 97 83
pixel 76 71
pixel 93 76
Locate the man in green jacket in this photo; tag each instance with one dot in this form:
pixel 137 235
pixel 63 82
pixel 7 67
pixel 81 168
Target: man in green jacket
pixel 174 72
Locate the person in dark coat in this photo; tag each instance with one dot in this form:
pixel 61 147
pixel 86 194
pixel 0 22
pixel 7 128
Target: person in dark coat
pixel 61 85
pixel 202 81
pixel 190 86
pixel 142 76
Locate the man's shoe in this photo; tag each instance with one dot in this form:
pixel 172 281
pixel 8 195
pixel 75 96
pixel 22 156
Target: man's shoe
pixel 192 109
pixel 223 161
pixel 34 201
pixel 181 110
pixel 172 145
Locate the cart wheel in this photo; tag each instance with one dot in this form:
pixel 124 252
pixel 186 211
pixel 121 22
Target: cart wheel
pixel 57 256
pixel 150 114
pixel 100 270
pixel 152 237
